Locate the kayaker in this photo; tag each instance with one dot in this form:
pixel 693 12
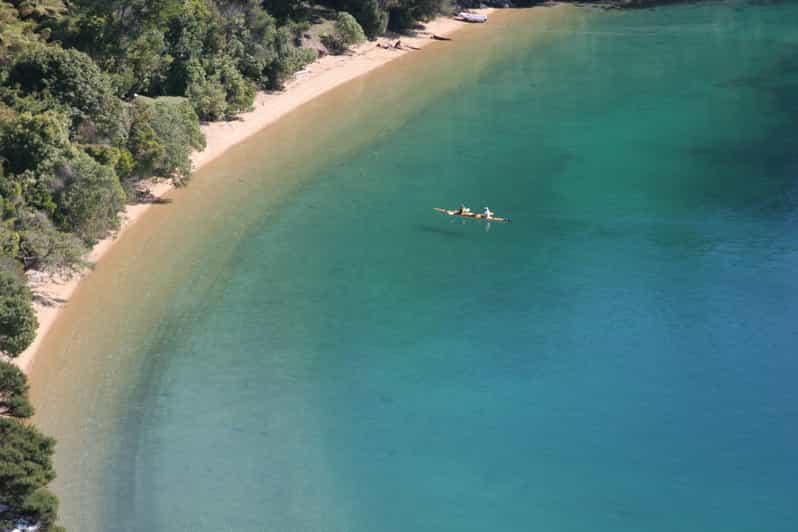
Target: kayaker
pixel 487 213
pixel 463 210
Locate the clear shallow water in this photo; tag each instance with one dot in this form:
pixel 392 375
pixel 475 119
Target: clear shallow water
pixel 620 357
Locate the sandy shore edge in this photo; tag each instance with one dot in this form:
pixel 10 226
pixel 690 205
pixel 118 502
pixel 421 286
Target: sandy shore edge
pixel 52 293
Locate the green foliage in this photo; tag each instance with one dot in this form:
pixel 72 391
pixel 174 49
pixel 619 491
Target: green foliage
pixel 14 392
pixel 42 247
pixel 372 17
pixel 164 132
pixel 143 66
pixel 36 191
pixel 290 59
pixel 248 37
pixel 285 10
pixel 75 81
pixel 17 321
pixel 120 159
pixel 208 98
pixel 220 91
pixel 125 164
pixel 9 248
pixel 29 141
pixel 333 43
pixel 41 506
pixel 91 199
pixel 25 464
pixel 348 30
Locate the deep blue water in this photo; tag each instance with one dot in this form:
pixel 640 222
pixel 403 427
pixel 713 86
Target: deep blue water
pixel 622 356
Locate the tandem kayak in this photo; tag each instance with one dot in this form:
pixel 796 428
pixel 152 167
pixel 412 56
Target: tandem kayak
pixel 471 215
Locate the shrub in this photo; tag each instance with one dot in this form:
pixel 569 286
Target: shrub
pixel 334 44
pixel 164 132
pixel 14 392
pixel 42 247
pixel 91 200
pixel 17 321
pixel 348 30
pixel 29 141
pixel 25 462
pixel 371 17
pixel 74 80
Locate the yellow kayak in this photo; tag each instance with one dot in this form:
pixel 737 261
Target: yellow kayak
pixel 471 215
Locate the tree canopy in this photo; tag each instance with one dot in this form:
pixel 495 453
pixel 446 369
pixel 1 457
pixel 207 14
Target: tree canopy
pixel 17 320
pixel 14 392
pixel 25 468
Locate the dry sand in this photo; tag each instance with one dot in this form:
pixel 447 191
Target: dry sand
pixel 51 294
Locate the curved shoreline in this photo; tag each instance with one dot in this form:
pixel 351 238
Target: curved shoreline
pixel 51 294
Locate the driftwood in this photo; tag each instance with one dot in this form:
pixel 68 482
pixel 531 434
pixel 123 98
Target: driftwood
pixel 441 37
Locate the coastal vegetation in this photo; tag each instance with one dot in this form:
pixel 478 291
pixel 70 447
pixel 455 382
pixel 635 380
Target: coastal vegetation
pixel 98 95
pixel 25 454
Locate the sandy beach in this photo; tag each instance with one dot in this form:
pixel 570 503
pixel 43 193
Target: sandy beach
pixel 52 293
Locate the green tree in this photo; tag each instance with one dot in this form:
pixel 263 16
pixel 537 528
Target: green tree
pixel 9 244
pixel 348 30
pixel 17 320
pixel 41 507
pixel 289 59
pixel 14 392
pixel 43 247
pixel 91 199
pixel 371 15
pixel 29 142
pixel 208 97
pixel 143 66
pixel 75 81
pixel 164 132
pixel 25 462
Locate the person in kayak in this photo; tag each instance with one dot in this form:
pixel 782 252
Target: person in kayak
pixel 463 210
pixel 487 213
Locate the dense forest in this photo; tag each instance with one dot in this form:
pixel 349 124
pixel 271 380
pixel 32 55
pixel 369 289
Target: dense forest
pixel 96 95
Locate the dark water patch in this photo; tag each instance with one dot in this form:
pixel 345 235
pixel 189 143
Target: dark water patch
pixel 449 233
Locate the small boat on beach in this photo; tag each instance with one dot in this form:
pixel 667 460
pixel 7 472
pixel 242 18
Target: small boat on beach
pixel 472 17
pixel 472 215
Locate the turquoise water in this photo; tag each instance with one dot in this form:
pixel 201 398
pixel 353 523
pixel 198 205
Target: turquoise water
pixel 622 356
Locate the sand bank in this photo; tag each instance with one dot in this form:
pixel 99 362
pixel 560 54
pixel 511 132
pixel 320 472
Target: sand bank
pixel 51 294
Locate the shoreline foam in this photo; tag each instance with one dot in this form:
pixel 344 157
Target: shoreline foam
pixel 53 293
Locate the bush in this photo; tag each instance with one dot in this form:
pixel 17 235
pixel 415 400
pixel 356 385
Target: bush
pixel 164 132
pixel 220 93
pixel 292 60
pixel 74 80
pixel 208 99
pixel 25 463
pixel 371 17
pixel 91 200
pixel 17 321
pixel 348 30
pixel 41 506
pixel 29 142
pixel 42 247
pixel 14 392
